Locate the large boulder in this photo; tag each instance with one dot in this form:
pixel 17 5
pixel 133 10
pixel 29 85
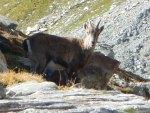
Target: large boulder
pixel 11 38
pixel 30 87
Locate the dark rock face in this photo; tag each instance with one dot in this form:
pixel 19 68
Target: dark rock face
pixel 4 44
pixel 11 42
pixel 11 39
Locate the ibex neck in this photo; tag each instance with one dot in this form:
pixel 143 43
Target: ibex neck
pixel 87 42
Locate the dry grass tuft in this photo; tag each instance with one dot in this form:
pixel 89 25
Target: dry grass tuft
pixel 11 77
pixel 64 88
pixel 71 84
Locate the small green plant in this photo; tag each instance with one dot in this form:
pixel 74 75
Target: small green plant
pixel 127 90
pixel 129 110
pixel 24 12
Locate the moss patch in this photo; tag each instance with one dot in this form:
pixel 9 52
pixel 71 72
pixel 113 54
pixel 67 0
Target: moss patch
pixel 129 110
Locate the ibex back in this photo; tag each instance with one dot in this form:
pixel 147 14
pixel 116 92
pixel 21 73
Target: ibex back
pixel 70 53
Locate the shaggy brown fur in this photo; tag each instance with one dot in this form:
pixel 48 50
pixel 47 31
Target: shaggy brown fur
pixel 101 68
pixel 71 53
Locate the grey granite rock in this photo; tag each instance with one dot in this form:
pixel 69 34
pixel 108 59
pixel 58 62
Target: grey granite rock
pixel 142 89
pixel 3 63
pixel 7 22
pixel 46 98
pixel 2 92
pixel 30 87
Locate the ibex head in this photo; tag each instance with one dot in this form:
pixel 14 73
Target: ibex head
pixel 92 34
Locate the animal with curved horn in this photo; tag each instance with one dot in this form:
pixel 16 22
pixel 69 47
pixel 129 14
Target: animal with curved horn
pixel 71 53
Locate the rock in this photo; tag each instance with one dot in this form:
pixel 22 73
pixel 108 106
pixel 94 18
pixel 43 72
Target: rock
pixel 2 92
pixel 36 29
pixel 98 71
pixel 11 44
pixel 11 40
pixel 7 22
pixel 3 63
pixel 30 87
pixel 142 89
pixel 93 78
pixel 73 100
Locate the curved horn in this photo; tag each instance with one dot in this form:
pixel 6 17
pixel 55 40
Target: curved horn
pixel 98 24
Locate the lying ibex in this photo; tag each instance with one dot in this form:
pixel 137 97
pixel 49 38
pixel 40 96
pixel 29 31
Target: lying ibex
pixel 101 68
pixel 69 52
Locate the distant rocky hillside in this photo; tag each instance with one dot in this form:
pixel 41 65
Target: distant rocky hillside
pixel 56 14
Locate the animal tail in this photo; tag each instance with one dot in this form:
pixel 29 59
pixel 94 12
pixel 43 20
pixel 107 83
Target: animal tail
pixel 131 76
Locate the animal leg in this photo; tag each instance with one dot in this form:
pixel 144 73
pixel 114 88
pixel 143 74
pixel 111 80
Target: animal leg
pixel 33 67
pixel 41 66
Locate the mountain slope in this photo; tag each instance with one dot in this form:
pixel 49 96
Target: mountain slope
pixel 56 14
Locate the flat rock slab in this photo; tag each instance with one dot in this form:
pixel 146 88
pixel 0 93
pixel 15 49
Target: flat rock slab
pixel 73 100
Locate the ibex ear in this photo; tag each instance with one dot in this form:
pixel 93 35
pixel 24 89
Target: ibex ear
pixel 88 25
pixel 85 26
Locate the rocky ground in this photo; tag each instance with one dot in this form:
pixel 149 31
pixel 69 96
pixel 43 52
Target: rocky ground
pixel 47 97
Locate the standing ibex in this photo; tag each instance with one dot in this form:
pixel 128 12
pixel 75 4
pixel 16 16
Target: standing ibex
pixel 70 53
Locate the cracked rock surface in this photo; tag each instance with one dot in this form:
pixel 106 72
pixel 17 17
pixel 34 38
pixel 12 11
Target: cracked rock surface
pixel 48 98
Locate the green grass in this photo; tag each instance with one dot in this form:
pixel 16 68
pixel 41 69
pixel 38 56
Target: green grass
pixel 28 12
pixel 25 12
pixel 78 16
pixel 96 9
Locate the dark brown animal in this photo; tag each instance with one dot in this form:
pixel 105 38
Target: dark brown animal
pixel 70 53
pixel 99 70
